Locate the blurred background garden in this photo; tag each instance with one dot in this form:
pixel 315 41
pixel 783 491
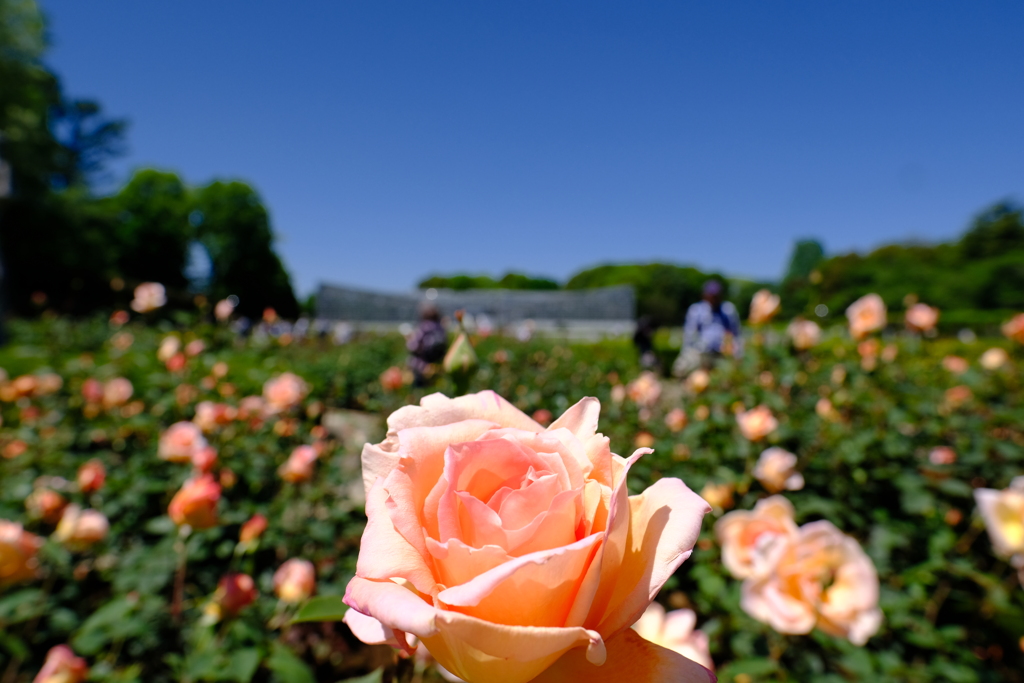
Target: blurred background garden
pixel 183 399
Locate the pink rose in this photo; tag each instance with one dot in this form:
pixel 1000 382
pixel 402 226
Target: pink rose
pixel 866 314
pixel 149 296
pixel 284 392
pixel 180 442
pixel 776 470
pixel 224 309
pixel 18 550
pixel 299 465
pixel 513 552
pixel 922 317
pixel 210 415
pixel 79 529
pixel 676 419
pixel 116 392
pixel 62 666
pixel 91 476
pixel 92 390
pixel 675 631
pixel 822 578
pixel 955 364
pixel 295 580
pixel 764 306
pixel 804 334
pixel 756 423
pixel 751 539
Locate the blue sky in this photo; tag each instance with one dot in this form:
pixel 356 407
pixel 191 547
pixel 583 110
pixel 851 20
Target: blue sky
pixel 395 139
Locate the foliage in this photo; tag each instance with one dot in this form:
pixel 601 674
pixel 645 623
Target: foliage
pixel 507 281
pixel 953 610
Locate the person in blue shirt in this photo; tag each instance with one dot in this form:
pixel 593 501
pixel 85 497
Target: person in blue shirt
pixel 712 329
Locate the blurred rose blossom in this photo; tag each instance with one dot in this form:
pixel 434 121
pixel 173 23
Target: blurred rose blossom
pixel 149 296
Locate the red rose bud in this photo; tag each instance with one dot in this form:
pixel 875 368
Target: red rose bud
pixel 91 476
pixel 253 528
pixel 234 593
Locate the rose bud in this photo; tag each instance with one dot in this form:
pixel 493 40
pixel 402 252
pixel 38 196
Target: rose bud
pixel 195 503
pixel 764 306
pixel 204 459
pixel 116 392
pixel 299 466
pixel 78 529
pixel 284 392
pixel 922 317
pixel 180 442
pixel 234 593
pixel 295 580
pixel 776 470
pixel 92 391
pixel 866 314
pixel 253 528
pixel 18 550
pixel 149 296
pixel 804 334
pixel 62 666
pixel 176 363
pixel 942 455
pixel 757 423
pixel 46 504
pixel 91 476
pixel 675 631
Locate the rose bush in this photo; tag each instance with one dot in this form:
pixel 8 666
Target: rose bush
pixel 504 546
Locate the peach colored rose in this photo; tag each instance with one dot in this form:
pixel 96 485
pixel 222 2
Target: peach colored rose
pixel 195 503
pixel 392 379
pixel 295 580
pixel 676 420
pixel 180 442
pixel 751 540
pixel 46 504
pixel 210 415
pixel 958 395
pixel 62 666
pixel 645 389
pixel 78 529
pixel 1014 328
pixel 866 314
pixel 116 392
pixel 224 309
pixel 18 550
pixel 994 358
pixel 253 528
pixel 169 347
pixel 890 352
pixel 804 334
pixel 508 549
pixel 698 380
pixel 776 470
pixel 764 306
pixel 618 393
pixel 718 496
pixel 826 411
pixel 299 465
pixel 955 364
pixel 284 392
pixel 234 593
pixel 675 631
pixel 149 296
pixel 922 317
pixel 91 476
pixel 1003 513
pixel 756 423
pixel 820 578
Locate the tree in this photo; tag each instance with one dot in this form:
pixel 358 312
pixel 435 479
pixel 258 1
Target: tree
pixel 87 140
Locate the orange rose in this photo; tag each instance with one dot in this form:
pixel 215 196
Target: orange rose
pixel 91 476
pixel 866 314
pixel 751 540
pixel 756 423
pixel 18 550
pixel 804 334
pixel 195 503
pixel 822 578
pixel 764 306
pixel 62 666
pixel 299 466
pixel 78 529
pixel 234 593
pixel 776 470
pixel 675 631
pixel 253 529
pixel 922 317
pixel 46 505
pixel 1014 328
pixel 180 442
pixel 284 392
pixel 698 380
pixel 513 552
pixel 295 580
pixel 718 496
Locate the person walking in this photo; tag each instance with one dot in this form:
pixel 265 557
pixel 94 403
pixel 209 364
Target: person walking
pixel 711 330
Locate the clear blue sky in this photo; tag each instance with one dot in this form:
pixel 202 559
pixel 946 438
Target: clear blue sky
pixel 395 139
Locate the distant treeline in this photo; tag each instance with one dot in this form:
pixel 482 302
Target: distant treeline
pixel 977 279
pixel 66 248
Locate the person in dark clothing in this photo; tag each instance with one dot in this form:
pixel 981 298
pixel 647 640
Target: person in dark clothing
pixel 643 339
pixel 427 345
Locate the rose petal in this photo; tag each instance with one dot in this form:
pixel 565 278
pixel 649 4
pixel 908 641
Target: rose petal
pixel 581 419
pixel 630 658
pixel 479 525
pixel 384 553
pixel 368 629
pixel 551 578
pixel 458 563
pixel 438 409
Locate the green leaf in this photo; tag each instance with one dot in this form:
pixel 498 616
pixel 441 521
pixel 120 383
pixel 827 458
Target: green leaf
pixel 322 608
pixel 287 667
pixel 373 677
pixel 242 665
